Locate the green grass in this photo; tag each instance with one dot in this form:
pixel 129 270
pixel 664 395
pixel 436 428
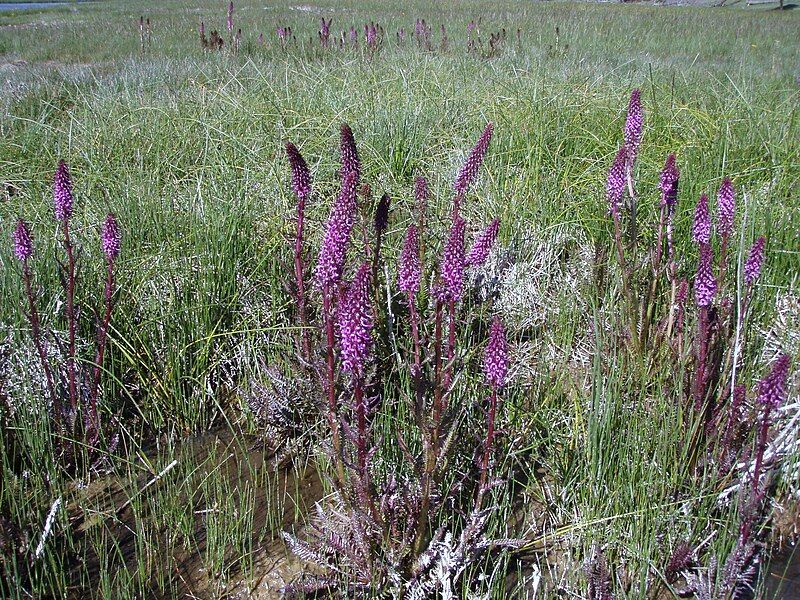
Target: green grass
pixel 186 148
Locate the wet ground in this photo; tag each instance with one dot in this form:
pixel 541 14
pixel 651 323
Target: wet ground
pixel 783 580
pixel 241 467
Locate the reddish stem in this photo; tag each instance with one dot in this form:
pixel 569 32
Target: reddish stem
pixel 416 371
pixel 451 345
pixel 702 355
pixel 437 358
pixel 431 439
pixel 33 317
pixel 723 260
pixel 730 423
pixel 333 418
pixel 660 241
pixel 102 339
pixel 72 318
pixel 633 233
pixel 649 306
pixel 298 275
pixel 626 288
pixel 487 450
pixel 361 443
pixel 757 493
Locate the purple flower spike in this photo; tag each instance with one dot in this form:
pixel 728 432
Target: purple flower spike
pixel 468 172
pixel 110 237
pixel 701 229
pixel 755 260
pixel 683 292
pixel 410 272
pixel 301 178
pixel 230 17
pixel 633 127
pixel 382 213
pixel 23 245
pixel 451 270
pixel 705 285
pixel 355 323
pixel 726 207
pixel 62 192
pixel 337 234
pixel 772 389
pixel 421 199
pixel 349 153
pixel 615 185
pixel 483 245
pixel 668 183
pixel 495 361
pixel 421 193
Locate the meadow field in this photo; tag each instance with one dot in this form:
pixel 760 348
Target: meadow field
pixel 596 397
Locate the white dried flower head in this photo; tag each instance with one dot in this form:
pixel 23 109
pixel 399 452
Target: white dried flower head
pixel 547 277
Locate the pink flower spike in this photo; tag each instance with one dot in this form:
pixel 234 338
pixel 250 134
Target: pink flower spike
pixel 772 389
pixel 495 360
pixel 705 285
pixel 421 194
pixel 701 228
pixel 348 152
pixel 110 237
pixel 62 192
pixel 469 171
pixel 451 269
pixel 726 208
pixel 409 273
pixel 755 260
pixel 483 245
pixel 354 323
pixel 668 183
pixel 301 178
pixel 23 245
pixel 633 126
pixel 337 234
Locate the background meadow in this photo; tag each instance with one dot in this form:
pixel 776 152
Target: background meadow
pixel 186 147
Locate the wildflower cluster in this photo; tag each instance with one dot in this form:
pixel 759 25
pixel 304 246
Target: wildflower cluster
pixel 712 350
pixel 353 333
pixel 82 392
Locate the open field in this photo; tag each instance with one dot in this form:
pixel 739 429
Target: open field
pixel 215 436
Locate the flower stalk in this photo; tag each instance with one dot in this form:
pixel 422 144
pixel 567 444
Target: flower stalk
pixel 23 250
pixel 63 205
pixel 495 368
pixel 301 184
pixel 110 238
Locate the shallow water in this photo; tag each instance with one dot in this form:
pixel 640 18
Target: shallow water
pixel 9 6
pixel 243 464
pixel 783 580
